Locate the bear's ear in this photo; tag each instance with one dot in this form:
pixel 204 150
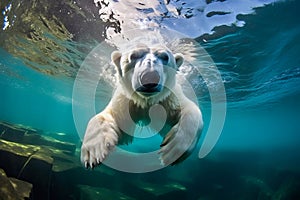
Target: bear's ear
pixel 178 59
pixel 116 59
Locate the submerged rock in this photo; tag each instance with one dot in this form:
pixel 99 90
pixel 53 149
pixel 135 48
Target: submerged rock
pixel 91 193
pixel 4 126
pixel 23 188
pixel 11 133
pixel 48 141
pixel 7 191
pixel 161 191
pixel 13 189
pixel 254 187
pixel 27 135
pixel 27 155
pixel 289 189
pixel 27 162
pixel 37 165
pixel 286 188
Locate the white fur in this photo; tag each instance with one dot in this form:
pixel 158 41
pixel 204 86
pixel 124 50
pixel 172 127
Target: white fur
pixel 107 129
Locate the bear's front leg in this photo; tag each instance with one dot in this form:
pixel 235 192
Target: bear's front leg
pixel 182 138
pixel 100 138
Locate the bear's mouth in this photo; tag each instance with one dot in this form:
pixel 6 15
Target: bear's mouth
pixel 149 89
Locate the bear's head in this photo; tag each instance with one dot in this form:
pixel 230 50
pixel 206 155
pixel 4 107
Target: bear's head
pixel 148 72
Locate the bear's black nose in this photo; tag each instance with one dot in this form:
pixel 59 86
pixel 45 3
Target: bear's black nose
pixel 150 80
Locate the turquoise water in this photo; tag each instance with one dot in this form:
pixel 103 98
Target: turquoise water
pixel 260 66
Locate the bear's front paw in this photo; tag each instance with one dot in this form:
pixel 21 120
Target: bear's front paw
pixel 175 147
pixel 100 138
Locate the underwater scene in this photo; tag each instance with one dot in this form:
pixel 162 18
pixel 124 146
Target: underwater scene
pixel 238 62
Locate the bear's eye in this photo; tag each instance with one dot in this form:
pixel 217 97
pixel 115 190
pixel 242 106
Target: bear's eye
pixel 136 55
pixel 164 57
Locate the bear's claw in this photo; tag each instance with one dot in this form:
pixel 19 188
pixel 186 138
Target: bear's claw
pixel 98 161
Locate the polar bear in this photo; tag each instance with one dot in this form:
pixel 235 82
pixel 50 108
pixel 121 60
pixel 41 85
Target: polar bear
pixel 146 77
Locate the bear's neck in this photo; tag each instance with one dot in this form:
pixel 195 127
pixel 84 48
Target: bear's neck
pixel 147 102
pixel 140 113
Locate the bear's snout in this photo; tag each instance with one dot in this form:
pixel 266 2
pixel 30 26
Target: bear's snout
pixel 149 83
pixel 150 79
